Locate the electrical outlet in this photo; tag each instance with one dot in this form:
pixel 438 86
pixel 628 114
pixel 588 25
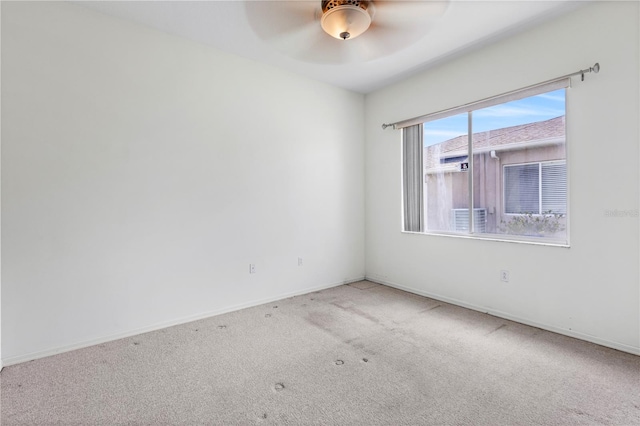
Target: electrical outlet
pixel 252 268
pixel 504 276
pixel 299 261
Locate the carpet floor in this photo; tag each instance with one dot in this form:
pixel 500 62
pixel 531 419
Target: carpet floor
pixel 358 354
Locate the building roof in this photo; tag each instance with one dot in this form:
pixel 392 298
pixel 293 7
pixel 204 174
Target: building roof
pixel 499 139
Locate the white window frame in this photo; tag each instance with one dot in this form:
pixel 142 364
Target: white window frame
pixel 540 186
pixel 552 85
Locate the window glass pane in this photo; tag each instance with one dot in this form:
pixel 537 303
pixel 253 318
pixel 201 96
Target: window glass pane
pixel 519 185
pixel 519 169
pixel 446 157
pixel 554 188
pixel 522 189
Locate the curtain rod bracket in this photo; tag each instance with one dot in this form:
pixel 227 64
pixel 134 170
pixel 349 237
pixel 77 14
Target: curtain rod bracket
pixel 595 68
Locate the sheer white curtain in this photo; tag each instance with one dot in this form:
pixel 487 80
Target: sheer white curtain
pixel 412 178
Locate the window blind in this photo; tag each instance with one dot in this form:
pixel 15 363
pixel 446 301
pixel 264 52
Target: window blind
pixel 412 180
pixel 554 187
pixel 522 188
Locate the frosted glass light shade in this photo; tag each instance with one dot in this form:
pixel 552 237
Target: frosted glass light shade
pixel 345 22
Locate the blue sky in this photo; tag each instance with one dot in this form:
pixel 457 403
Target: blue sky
pixel 527 110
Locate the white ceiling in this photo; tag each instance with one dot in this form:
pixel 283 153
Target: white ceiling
pixel 268 31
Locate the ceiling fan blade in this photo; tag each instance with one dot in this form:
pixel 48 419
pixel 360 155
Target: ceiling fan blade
pixel 293 28
pixel 272 19
pixel 398 24
pixel 402 13
pixel 326 50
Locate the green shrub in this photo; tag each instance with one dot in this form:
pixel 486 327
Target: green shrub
pixel 539 225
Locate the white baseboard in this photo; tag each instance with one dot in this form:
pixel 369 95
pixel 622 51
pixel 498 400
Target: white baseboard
pixel 593 339
pixel 158 326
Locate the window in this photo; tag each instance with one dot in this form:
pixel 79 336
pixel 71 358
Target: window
pixel 537 188
pixel 496 168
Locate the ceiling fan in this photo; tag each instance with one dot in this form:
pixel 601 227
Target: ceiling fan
pixel 340 31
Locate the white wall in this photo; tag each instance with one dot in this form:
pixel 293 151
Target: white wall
pixel 142 173
pixel 590 290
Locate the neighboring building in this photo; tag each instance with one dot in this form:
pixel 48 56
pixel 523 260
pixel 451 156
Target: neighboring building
pixel 516 170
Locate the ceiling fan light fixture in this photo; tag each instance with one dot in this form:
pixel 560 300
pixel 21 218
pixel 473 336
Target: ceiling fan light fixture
pixel 345 19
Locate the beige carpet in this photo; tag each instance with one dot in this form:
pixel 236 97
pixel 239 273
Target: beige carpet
pixel 359 354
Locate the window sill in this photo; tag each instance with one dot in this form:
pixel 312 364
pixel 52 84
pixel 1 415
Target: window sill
pixel 496 237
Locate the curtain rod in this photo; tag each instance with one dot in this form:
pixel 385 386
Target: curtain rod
pixel 595 68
